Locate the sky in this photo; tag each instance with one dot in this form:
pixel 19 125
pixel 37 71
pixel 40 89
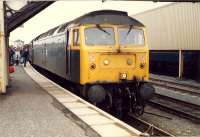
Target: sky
pixel 64 11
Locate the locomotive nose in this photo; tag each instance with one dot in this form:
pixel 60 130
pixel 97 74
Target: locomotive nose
pixel 147 91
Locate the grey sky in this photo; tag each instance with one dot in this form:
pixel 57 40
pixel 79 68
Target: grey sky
pixel 64 11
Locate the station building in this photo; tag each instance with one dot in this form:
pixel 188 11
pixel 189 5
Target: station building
pixel 174 39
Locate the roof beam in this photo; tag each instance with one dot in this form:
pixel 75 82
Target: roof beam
pixel 158 0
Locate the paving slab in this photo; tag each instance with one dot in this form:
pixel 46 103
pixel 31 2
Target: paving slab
pixel 96 119
pixel 83 111
pixel 110 130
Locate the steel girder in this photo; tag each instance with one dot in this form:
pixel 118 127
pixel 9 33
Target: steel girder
pixel 27 12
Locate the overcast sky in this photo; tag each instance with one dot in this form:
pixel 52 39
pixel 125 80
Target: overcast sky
pixel 64 11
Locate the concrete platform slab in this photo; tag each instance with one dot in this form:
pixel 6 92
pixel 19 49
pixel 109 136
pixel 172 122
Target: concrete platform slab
pixel 96 120
pixel 111 130
pixel 73 105
pixel 66 99
pixel 83 111
pixel 63 96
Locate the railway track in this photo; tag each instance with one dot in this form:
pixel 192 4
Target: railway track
pixel 145 127
pixel 177 107
pixel 177 86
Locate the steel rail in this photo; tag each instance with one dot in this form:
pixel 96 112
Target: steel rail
pixel 146 127
pixel 178 107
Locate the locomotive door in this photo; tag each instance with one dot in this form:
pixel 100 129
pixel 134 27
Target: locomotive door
pixel 44 55
pixel 68 55
pixel 73 56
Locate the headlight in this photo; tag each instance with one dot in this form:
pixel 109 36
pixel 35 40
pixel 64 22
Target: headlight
pixel 129 61
pixel 106 62
pixel 123 76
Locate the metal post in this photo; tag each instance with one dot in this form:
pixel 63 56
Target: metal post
pixel 181 61
pixel 3 60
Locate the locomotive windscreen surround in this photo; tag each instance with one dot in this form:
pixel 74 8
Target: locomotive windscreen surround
pixel 105 57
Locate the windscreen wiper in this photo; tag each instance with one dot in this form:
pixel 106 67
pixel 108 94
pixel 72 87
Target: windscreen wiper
pixel 100 28
pixel 130 28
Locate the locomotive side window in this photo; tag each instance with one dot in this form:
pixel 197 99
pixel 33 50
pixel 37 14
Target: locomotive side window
pixel 130 36
pixel 76 37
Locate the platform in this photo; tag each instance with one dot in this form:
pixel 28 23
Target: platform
pixel 176 80
pixel 27 110
pixel 39 107
pixel 193 99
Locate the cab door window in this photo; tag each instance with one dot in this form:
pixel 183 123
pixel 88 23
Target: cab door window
pixel 76 37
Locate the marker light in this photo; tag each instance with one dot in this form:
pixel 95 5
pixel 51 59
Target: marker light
pixel 106 62
pixel 129 61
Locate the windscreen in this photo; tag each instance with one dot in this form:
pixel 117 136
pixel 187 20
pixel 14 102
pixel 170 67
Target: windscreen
pixel 99 36
pixel 131 36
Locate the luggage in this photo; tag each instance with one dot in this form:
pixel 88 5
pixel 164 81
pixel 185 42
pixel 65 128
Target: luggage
pixel 11 69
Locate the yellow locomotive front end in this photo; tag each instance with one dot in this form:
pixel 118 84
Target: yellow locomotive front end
pixel 114 53
pixel 114 65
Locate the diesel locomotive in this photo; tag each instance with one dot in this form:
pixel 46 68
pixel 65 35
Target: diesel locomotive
pixel 104 54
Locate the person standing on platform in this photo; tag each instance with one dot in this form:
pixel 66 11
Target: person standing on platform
pixel 11 56
pixel 26 56
pixel 21 56
pixel 17 60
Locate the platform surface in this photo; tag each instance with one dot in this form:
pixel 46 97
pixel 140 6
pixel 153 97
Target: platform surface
pixel 176 80
pixel 193 99
pixel 28 111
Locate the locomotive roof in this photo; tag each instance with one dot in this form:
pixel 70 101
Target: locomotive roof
pixel 107 16
pixel 96 17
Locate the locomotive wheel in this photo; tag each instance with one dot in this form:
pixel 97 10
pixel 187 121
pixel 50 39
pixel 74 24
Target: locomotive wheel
pixel 106 105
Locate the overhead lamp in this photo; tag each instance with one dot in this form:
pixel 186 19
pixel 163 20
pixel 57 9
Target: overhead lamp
pixel 16 5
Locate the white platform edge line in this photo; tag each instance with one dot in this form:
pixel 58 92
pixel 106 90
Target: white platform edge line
pixel 135 131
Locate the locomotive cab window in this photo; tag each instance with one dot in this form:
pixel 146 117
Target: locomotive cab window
pixel 76 37
pixel 131 36
pixel 100 36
